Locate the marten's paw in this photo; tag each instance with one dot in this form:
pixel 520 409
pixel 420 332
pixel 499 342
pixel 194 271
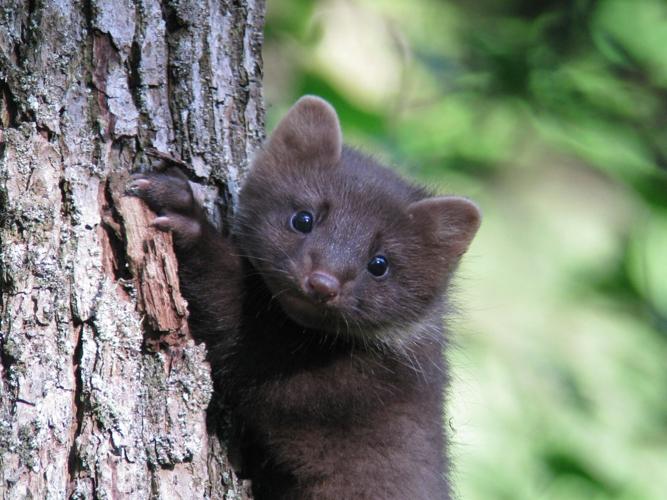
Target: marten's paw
pixel 170 196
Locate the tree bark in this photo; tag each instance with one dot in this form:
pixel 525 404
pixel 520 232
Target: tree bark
pixel 102 393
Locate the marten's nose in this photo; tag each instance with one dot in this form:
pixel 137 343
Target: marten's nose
pixel 322 286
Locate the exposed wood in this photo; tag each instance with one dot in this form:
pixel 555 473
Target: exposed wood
pixel 152 264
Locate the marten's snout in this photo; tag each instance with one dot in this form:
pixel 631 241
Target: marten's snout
pixel 322 286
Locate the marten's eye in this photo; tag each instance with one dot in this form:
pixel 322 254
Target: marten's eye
pixel 303 221
pixel 378 266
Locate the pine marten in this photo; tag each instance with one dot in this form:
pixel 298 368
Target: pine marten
pixel 323 313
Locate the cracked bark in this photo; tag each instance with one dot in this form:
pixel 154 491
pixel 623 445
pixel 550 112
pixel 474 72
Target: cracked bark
pixel 102 394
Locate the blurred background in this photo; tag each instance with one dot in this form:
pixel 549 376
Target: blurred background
pixel 552 115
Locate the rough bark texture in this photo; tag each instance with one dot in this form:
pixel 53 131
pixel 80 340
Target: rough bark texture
pixel 102 394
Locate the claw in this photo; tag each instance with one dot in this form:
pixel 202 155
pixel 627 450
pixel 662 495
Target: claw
pixel 163 223
pixel 136 186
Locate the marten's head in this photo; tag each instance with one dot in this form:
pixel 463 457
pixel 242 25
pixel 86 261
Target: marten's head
pixel 344 244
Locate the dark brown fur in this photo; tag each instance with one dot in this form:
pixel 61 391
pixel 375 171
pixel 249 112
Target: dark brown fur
pixel 335 399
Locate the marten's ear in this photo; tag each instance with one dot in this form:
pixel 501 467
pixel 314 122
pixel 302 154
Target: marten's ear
pixel 452 220
pixel 309 132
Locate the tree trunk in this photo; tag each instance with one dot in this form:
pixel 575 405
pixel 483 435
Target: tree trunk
pixel 102 394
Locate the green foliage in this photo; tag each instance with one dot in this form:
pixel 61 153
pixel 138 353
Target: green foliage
pixel 551 114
